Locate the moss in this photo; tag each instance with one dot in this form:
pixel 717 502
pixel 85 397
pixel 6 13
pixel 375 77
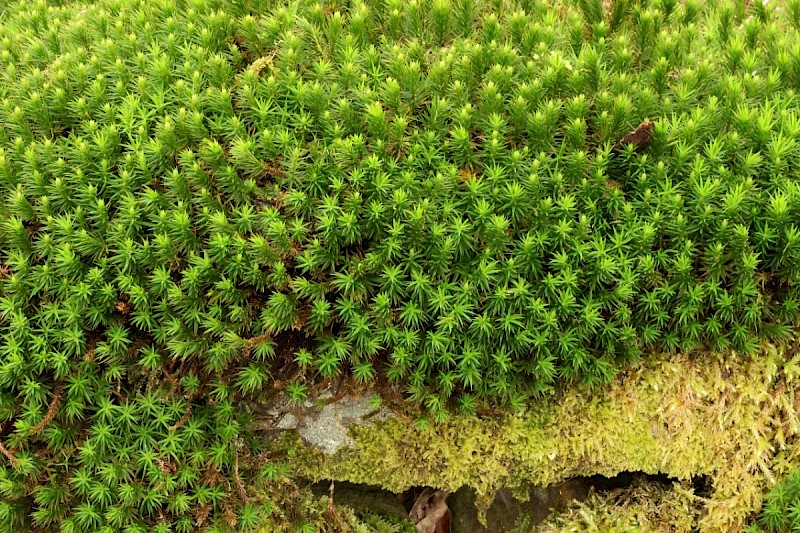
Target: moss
pixel 726 416
pixel 642 508
pixel 298 510
pixel 380 524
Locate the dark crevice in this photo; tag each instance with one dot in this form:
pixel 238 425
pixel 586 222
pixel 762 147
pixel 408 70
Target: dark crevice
pixel 506 508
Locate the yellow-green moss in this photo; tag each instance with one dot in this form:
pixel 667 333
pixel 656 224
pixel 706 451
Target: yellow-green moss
pixel 729 417
pixel 644 507
pixel 297 510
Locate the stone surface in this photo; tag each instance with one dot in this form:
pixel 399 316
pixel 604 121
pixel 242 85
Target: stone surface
pixel 324 421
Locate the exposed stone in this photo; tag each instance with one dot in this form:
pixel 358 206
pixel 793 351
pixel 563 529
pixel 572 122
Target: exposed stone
pixel 321 421
pixel 288 421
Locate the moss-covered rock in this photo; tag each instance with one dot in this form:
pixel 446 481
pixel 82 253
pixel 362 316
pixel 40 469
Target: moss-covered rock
pixel 726 416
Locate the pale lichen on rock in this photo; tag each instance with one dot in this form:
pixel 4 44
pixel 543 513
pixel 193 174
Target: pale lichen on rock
pixel 323 422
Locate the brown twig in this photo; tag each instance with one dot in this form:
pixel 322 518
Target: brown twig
pixel 173 382
pixel 252 341
pixel 330 499
pixel 51 412
pixel 184 418
pixel 239 485
pixel 340 391
pixel 117 394
pixel 10 456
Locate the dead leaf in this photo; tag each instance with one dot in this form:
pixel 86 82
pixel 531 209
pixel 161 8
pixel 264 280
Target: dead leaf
pixel 641 137
pixel 430 513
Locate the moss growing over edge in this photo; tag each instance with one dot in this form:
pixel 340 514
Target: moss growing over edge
pixel 730 417
pixel 642 507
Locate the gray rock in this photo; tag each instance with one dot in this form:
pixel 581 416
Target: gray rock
pixel 287 421
pixel 320 421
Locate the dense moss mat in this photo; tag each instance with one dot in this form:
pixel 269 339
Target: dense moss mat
pixel 204 198
pixel 641 508
pixel 730 417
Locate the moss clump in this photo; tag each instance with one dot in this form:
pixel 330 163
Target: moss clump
pixel 726 416
pixel 645 507
pixel 781 511
pixel 198 194
pixel 299 511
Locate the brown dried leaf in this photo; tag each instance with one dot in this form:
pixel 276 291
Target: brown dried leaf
pixel 430 513
pixel 641 137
